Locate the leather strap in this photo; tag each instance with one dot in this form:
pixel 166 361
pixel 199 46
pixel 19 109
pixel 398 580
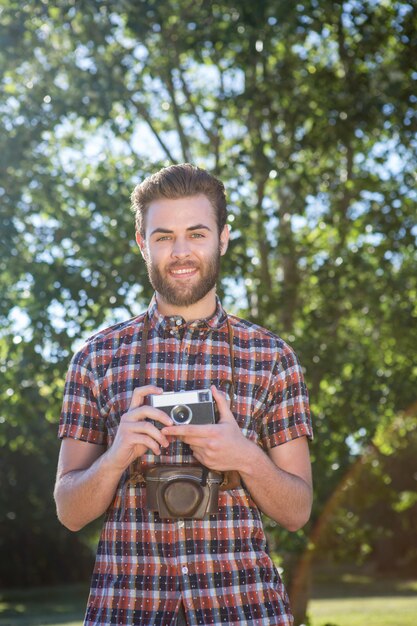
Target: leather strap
pixel 181 619
pixel 231 478
pixel 144 345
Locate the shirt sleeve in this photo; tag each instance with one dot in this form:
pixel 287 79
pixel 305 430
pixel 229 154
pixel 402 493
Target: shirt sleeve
pixel 80 415
pixel 287 415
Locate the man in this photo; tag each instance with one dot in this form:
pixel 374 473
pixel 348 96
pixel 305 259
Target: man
pixel 156 570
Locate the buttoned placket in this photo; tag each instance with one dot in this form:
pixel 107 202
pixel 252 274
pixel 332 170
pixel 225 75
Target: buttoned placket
pixel 189 338
pixel 189 347
pixel 188 591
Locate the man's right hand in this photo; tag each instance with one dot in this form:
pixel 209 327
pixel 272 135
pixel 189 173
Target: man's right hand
pixel 88 474
pixel 136 433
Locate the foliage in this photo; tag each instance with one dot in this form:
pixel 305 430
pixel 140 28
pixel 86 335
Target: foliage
pixel 377 513
pixel 305 110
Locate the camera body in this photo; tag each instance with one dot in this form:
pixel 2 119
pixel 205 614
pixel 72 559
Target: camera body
pixel 185 407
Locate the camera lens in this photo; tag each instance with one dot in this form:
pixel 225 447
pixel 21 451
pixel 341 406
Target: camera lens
pixel 181 414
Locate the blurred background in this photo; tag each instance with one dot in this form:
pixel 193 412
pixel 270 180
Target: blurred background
pixel 307 112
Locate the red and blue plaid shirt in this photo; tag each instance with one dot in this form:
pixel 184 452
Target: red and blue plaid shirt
pixel 219 567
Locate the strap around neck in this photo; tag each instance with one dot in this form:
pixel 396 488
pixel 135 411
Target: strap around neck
pixel 144 345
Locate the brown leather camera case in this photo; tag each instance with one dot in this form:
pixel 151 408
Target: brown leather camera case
pixel 185 491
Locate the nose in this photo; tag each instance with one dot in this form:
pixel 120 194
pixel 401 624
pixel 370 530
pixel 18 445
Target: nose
pixel 181 248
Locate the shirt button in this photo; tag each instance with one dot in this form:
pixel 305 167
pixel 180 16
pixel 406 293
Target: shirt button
pixel 184 570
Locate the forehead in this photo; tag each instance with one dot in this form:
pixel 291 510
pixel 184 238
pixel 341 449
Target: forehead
pixel 179 213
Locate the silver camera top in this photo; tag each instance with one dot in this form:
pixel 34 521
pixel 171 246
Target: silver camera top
pixel 169 398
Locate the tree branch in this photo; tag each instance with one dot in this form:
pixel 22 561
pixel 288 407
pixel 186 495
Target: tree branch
pixel 147 118
pixel 185 144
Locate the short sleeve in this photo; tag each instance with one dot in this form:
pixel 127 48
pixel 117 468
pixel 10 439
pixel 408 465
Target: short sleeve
pixel 287 415
pixel 80 415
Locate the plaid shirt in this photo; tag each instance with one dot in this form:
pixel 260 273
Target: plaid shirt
pixel 218 566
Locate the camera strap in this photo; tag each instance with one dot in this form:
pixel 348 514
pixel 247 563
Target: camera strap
pixel 231 479
pixel 204 476
pixel 143 348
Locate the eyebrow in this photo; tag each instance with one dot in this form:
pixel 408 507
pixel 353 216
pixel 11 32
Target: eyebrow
pixel 167 231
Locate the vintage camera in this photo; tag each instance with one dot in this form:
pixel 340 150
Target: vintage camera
pixel 185 407
pixel 183 490
pixel 188 491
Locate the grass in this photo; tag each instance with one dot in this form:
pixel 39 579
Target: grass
pixel 358 600
pixel 345 600
pixel 391 611
pixel 44 606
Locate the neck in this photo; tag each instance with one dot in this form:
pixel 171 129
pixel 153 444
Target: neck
pixel 200 310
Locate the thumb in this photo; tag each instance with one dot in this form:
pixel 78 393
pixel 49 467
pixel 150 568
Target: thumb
pixel 223 405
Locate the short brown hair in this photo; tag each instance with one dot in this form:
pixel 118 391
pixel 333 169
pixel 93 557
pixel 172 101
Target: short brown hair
pixel 179 181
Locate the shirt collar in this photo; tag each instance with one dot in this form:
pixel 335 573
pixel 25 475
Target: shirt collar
pixel 169 325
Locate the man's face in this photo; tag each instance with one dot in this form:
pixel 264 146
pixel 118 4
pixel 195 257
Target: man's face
pixel 182 249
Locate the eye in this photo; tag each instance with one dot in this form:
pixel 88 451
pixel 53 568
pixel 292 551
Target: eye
pixel 164 238
pixel 197 235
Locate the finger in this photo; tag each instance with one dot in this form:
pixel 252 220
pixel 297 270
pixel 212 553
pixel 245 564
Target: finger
pixel 161 417
pixel 139 394
pixel 147 429
pixel 223 405
pixel 189 432
pixel 198 450
pixel 148 442
pixel 146 412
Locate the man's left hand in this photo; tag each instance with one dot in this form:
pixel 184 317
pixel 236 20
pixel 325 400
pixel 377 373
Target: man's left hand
pixel 220 446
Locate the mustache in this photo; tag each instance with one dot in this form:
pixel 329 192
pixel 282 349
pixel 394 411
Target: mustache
pixel 182 265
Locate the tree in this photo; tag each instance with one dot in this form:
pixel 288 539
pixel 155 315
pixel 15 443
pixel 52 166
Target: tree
pixel 306 111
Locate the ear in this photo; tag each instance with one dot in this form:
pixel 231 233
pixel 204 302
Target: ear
pixel 142 244
pixel 224 239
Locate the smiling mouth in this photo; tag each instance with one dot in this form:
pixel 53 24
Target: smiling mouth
pixel 185 271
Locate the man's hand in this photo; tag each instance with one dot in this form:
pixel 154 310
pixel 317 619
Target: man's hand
pixel 88 475
pixel 220 446
pixel 136 434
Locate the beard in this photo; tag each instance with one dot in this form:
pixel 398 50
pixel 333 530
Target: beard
pixel 183 295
